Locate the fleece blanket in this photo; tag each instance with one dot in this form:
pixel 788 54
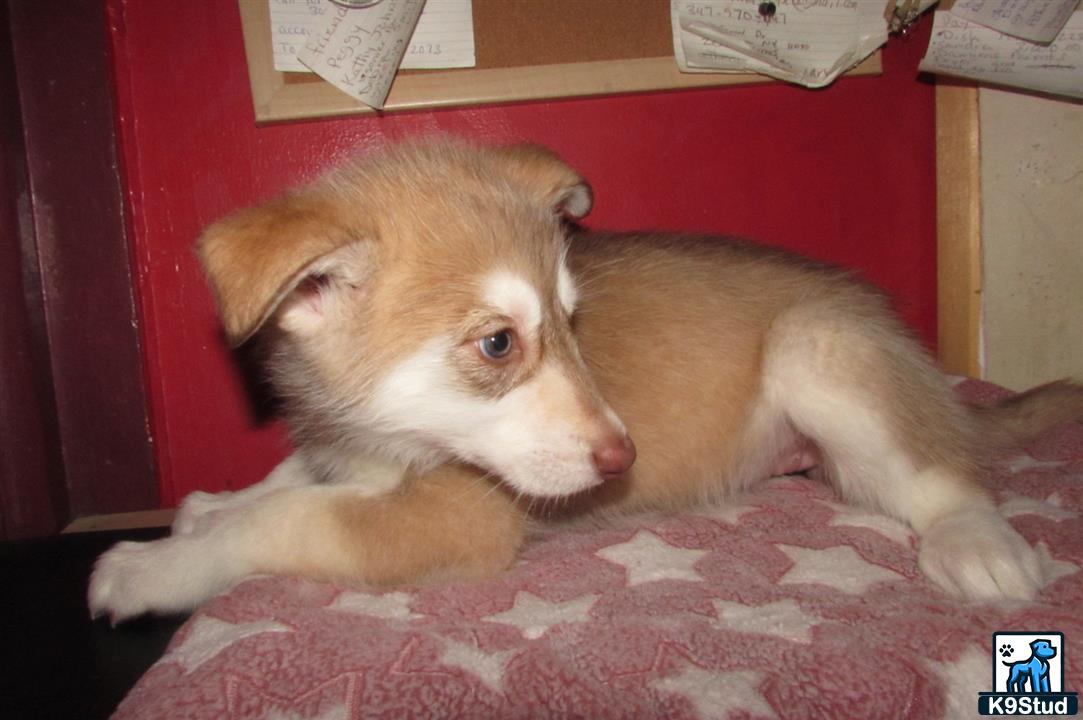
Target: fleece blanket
pixel 783 604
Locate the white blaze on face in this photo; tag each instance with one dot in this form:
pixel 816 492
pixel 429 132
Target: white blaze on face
pixel 542 443
pixel 537 437
pixel 513 296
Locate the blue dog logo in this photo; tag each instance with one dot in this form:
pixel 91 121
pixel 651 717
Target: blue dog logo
pixel 1034 670
pixel 1034 686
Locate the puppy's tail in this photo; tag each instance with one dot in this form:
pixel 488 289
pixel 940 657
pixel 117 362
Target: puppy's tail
pixel 1026 416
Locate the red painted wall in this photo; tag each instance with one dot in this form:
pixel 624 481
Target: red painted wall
pixel 844 174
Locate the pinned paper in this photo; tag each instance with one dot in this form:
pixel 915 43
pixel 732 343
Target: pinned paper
pixel 960 47
pixel 291 21
pixel 1035 20
pixel 902 14
pixel 810 42
pixel 443 37
pixel 359 50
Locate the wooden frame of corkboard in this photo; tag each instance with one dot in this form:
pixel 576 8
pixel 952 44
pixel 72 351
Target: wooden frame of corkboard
pixel 551 49
pixel 958 231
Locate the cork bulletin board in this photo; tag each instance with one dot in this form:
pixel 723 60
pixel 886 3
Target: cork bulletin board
pixel 526 50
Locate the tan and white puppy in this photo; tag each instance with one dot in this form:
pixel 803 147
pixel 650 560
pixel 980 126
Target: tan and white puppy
pixel 453 355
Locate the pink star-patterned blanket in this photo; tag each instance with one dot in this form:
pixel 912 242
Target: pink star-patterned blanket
pixel 783 604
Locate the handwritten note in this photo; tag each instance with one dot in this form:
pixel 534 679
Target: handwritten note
pixel 810 42
pixel 443 37
pixel 358 50
pixel 960 47
pixel 1035 20
pixel 290 24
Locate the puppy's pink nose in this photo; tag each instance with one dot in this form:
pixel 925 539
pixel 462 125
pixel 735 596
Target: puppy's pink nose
pixel 613 456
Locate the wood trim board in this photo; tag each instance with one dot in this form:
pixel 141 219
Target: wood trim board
pixel 278 96
pixel 121 521
pixel 33 498
pixel 958 201
pixel 72 217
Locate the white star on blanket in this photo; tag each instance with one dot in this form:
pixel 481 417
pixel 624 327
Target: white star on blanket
pixel 1026 462
pixel 332 699
pixel 209 636
pixel 392 605
pixel 850 516
pixel 335 712
pixel 839 567
pixel 1053 569
pixel 1049 508
pixel 648 557
pixel 715 693
pixel 783 618
pixel 488 667
pixel 728 512
pixel 534 615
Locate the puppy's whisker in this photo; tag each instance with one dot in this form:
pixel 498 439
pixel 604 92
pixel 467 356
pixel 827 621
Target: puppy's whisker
pixel 469 490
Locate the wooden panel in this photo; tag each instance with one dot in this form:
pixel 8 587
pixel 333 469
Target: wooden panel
pixel 549 52
pixel 74 209
pixel 958 183
pixel 121 521
pixel 32 496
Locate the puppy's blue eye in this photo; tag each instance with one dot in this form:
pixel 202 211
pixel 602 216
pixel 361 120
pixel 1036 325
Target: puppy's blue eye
pixel 496 346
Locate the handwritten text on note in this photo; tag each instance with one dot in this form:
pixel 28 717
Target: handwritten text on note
pixel 1035 20
pixel 959 47
pixel 443 37
pixel 810 42
pixel 359 50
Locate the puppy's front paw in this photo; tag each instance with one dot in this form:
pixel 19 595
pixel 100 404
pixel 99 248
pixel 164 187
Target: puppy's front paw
pixel 198 508
pixel 128 580
pixel 977 555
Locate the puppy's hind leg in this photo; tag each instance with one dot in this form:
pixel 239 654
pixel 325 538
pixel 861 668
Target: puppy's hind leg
pixel 449 522
pixel 894 437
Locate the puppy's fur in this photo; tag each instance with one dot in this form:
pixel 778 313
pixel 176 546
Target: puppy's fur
pixel 380 289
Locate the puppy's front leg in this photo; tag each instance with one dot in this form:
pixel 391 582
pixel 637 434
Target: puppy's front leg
pixel 198 507
pixel 450 522
pixel 368 474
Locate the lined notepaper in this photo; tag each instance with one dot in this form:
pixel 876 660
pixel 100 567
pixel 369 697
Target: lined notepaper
pixel 359 50
pixel 1035 20
pixel 960 47
pixel 290 24
pixel 810 42
pixel 442 38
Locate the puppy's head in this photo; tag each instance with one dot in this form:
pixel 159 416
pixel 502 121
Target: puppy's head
pixel 422 308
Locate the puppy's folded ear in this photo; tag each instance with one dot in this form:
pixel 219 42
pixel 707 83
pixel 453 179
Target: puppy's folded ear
pixel 543 172
pixel 257 257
